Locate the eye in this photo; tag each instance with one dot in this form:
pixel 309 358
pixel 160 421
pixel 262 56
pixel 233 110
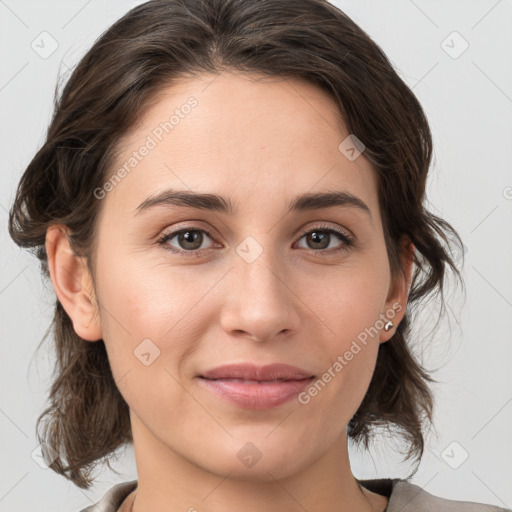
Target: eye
pixel 190 240
pixel 320 238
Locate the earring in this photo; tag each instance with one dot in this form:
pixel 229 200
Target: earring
pixel 389 325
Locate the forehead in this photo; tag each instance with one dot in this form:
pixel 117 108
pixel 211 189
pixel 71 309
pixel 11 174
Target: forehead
pixel 253 139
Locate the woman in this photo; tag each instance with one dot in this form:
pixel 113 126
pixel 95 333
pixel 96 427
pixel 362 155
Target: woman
pixel 230 206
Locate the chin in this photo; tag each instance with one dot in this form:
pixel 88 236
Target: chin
pixel 256 461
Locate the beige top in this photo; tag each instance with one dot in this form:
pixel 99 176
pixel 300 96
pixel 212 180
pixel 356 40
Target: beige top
pixel 403 497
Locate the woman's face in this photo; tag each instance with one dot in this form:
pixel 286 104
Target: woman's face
pixel 253 285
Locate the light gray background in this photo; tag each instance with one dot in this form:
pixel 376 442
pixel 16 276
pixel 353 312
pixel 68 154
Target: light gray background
pixel 468 101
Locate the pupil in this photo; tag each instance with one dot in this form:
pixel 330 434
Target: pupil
pixel 190 237
pixel 319 237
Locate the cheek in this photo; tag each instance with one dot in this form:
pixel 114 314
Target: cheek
pixel 351 304
pixel 145 336
pixel 348 307
pixel 145 299
pixel 150 307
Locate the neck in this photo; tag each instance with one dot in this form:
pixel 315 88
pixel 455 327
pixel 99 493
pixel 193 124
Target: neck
pixel 168 481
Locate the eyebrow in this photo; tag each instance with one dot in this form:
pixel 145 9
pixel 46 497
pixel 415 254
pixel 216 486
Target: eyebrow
pixel 305 202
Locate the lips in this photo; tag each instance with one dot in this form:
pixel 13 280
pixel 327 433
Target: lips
pixel 256 387
pixel 251 372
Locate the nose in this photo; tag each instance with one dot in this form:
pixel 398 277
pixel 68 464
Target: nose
pixel 259 301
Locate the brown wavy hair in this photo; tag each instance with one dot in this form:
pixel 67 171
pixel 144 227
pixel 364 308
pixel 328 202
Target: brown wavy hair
pixel 147 49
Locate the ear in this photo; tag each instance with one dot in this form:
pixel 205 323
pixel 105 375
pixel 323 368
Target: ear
pixel 398 295
pixel 73 284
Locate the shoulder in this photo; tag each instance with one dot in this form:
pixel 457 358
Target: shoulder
pixel 404 497
pixel 408 497
pixel 113 498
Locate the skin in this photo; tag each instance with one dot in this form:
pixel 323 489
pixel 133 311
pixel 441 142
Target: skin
pixel 260 143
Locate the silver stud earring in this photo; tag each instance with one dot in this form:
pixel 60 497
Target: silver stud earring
pixel 389 325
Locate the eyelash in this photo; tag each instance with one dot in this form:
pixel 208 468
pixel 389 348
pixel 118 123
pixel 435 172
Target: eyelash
pixel 347 240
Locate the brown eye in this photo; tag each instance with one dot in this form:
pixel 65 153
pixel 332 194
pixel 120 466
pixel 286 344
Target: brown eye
pixel 320 238
pixel 188 240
